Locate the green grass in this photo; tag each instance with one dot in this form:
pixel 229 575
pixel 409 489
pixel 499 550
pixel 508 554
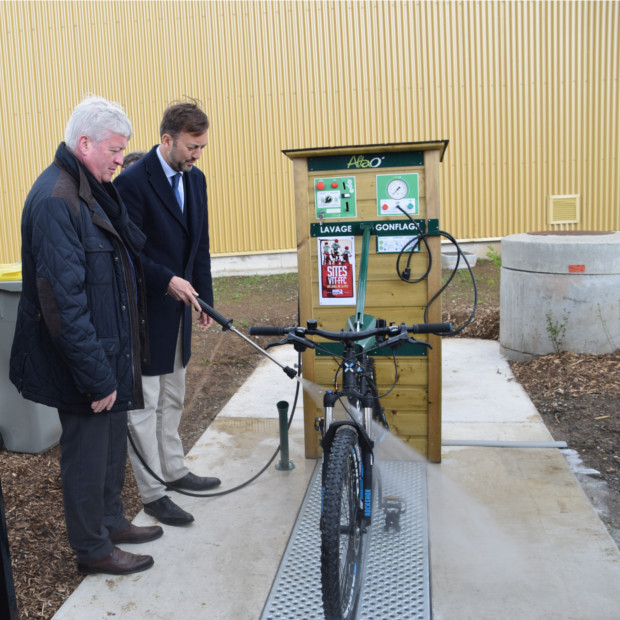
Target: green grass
pixel 264 290
pixel 237 288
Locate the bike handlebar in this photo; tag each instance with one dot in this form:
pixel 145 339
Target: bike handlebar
pixel 352 336
pixel 341 336
pixel 268 330
pixel 432 328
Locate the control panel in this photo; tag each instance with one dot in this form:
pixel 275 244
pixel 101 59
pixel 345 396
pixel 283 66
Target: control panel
pixel 334 197
pixel 398 190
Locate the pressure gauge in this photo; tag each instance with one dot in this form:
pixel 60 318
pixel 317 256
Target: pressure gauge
pixel 397 188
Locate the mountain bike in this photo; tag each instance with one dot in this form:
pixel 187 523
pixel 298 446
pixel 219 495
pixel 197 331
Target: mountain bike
pixel 348 459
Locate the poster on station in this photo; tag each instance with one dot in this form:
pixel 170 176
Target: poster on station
pixel 336 256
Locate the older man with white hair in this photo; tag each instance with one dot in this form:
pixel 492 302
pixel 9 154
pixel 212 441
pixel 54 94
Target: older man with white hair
pixel 80 337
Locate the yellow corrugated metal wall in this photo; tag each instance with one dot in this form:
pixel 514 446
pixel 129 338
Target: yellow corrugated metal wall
pixel 526 92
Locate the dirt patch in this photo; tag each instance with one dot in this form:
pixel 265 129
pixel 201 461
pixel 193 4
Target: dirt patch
pixel 577 396
pixel 221 361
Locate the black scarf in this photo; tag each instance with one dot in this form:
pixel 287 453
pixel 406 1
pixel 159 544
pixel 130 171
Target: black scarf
pixel 108 198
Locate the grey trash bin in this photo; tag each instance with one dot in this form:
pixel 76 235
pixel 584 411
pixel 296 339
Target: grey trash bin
pixel 25 426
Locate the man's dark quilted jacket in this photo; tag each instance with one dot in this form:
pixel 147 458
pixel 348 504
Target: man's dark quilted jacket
pixel 79 329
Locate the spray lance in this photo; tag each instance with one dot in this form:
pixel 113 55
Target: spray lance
pixel 290 372
pixel 227 325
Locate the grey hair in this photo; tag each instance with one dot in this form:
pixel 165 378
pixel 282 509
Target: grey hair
pixel 96 118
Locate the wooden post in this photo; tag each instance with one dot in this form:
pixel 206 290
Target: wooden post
pixel 434 314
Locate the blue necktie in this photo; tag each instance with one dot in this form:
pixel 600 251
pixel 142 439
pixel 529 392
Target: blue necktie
pixel 174 180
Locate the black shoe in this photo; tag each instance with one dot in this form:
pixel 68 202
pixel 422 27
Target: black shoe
pixel 166 511
pixel 134 534
pixel 192 482
pixel 119 562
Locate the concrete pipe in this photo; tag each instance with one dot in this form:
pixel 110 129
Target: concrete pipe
pixel 559 292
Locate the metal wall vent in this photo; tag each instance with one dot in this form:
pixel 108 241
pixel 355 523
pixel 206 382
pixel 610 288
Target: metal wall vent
pixel 564 209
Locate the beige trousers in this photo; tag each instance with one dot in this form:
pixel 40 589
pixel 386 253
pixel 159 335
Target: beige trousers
pixel 155 430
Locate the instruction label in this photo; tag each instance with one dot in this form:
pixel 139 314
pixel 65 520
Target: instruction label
pixel 393 245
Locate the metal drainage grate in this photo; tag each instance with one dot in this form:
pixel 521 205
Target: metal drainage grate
pixel 396 574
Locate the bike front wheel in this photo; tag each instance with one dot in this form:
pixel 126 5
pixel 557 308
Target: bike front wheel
pixel 342 527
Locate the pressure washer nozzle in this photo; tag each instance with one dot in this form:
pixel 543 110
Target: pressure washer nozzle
pixel 291 372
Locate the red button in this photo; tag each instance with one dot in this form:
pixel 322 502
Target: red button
pixel 320 185
pixel 385 207
pixel 335 184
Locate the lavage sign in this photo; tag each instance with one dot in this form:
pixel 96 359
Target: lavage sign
pixel 355 228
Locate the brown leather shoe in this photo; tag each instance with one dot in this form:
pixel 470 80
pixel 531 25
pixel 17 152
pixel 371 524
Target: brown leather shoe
pixel 135 534
pixel 119 562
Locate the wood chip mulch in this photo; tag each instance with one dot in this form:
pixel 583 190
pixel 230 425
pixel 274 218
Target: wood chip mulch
pixel 43 563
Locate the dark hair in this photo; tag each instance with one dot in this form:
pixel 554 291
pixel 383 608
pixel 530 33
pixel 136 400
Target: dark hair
pixel 185 117
pixel 131 158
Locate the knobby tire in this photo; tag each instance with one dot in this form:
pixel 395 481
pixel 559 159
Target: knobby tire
pixel 341 527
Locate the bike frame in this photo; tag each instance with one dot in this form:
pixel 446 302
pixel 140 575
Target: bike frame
pixel 331 426
pixel 350 366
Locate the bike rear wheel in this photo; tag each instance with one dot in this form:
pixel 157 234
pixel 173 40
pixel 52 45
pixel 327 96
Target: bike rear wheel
pixel 341 527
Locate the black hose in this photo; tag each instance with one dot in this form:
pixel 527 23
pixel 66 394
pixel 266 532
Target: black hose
pixel 218 493
pixel 460 254
pixel 405 274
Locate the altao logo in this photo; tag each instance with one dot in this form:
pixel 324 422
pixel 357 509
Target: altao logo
pixel 360 161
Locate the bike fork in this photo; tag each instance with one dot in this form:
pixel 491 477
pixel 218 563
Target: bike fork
pixel 367 409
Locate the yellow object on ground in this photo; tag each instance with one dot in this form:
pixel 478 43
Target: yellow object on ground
pixel 10 272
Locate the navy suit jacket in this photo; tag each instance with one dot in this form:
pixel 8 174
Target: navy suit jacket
pixel 177 244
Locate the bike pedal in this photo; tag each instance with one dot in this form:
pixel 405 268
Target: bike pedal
pixel 393 507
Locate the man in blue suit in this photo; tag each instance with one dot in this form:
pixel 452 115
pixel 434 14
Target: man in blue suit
pixel 166 196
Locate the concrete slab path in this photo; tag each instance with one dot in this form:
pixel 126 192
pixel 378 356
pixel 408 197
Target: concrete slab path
pixel 512 534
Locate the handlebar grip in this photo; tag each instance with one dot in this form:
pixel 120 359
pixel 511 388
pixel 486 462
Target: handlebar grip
pixel 266 330
pixel 433 328
pixel 214 314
